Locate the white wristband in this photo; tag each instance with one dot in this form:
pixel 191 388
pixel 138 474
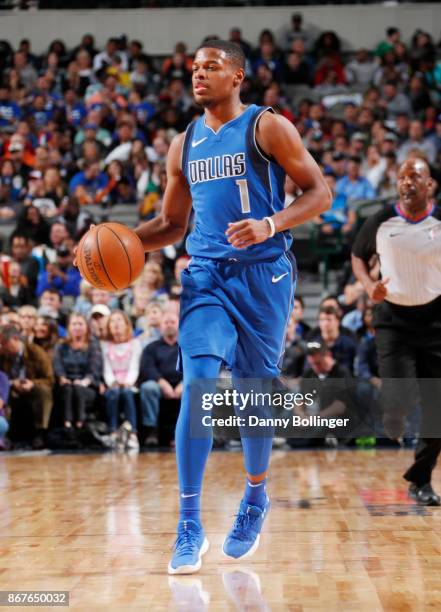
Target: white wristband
pixel 272 226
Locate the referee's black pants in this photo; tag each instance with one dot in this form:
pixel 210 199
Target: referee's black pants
pixel 410 350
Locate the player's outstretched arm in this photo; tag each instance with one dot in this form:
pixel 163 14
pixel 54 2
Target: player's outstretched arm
pixel 170 226
pixel 279 139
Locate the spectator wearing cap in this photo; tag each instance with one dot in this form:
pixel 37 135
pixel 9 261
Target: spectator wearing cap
pixel 338 164
pixel 329 384
pixel 16 153
pixel 98 318
pixel 416 141
pixel 353 185
pixel 30 373
pixel 358 144
pixel 389 143
pixel 361 69
pixel 61 275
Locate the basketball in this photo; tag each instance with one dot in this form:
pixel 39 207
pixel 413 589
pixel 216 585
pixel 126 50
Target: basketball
pixel 110 256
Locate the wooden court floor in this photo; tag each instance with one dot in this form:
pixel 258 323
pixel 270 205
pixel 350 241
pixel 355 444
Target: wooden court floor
pixel 341 534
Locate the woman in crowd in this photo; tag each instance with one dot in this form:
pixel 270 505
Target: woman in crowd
pixel 46 334
pixel 14 290
pixel 122 355
pixel 150 323
pixel 78 368
pixel 149 286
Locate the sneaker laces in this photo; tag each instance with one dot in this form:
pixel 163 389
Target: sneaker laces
pixel 186 541
pixel 241 524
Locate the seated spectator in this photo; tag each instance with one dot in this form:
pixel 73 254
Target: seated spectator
pixel 353 320
pixel 297 71
pixel 30 223
pixel 181 264
pixel 393 102
pixel 329 382
pixel 98 318
pixel 353 185
pixel 88 184
pixel 46 334
pixel 301 328
pixel 416 141
pixel 78 367
pixel 297 32
pixel 4 425
pixel 361 69
pixel 374 167
pixel 122 354
pixel 61 275
pixel 149 286
pixel 366 361
pixel 236 37
pixel 393 36
pixel 158 376
pixel 342 346
pixel 50 306
pixel 150 323
pixel 339 219
pixel 14 290
pixel 294 355
pixel 30 373
pixel 27 316
pixel 76 220
pixel 21 253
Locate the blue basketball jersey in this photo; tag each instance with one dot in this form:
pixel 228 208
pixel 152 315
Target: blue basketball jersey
pixel 231 179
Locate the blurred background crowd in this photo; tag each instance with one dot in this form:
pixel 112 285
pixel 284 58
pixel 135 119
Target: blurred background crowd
pixel 85 131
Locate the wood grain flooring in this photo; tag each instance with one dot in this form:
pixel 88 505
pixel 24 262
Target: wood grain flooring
pixel 341 534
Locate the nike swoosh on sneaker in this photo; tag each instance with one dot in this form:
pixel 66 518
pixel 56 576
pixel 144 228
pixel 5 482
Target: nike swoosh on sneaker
pixel 196 143
pixel 276 279
pixel 191 495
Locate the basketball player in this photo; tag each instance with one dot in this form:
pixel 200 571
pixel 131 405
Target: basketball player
pixel 407 318
pixel 238 290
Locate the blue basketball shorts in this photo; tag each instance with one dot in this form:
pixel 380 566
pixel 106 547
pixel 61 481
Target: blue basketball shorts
pixel 238 312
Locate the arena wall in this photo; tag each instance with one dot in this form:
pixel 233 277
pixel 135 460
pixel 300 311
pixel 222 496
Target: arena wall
pixel 159 29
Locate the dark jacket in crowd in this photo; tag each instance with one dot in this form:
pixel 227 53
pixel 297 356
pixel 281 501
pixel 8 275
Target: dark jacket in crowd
pixel 158 360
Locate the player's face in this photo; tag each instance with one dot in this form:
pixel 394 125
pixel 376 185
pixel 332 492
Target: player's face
pixel 215 77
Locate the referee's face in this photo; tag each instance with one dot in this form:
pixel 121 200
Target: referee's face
pixel 414 183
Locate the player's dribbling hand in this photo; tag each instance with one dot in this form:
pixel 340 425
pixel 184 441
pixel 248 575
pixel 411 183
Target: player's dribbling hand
pixel 378 291
pixel 243 234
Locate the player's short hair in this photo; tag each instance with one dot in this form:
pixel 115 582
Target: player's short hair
pixel 232 51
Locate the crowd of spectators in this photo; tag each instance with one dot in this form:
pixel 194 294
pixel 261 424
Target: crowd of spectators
pixel 85 129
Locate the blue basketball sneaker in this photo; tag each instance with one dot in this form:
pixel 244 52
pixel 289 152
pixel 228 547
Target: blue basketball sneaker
pixel 190 545
pixel 243 539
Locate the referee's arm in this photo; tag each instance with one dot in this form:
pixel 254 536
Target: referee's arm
pixel 363 250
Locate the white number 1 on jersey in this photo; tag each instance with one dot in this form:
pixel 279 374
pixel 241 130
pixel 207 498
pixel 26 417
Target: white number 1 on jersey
pixel 244 196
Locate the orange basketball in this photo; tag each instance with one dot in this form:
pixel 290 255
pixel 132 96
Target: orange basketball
pixel 110 256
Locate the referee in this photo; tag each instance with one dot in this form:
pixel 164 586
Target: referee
pixel 407 318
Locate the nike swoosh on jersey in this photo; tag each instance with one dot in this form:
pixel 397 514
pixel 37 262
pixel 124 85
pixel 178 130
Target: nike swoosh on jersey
pixel 196 143
pixel 276 279
pixel 191 495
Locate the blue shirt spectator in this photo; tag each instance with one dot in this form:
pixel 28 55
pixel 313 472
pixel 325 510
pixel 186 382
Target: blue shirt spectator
pixel 354 186
pixel 87 184
pixel 62 275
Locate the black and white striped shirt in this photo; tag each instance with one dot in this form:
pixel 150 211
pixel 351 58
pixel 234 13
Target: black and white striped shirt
pixel 409 252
